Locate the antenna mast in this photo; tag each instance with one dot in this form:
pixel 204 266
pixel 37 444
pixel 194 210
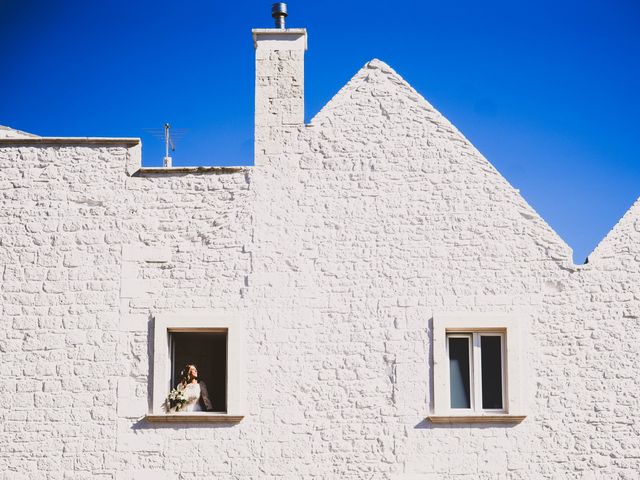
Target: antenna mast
pixel 167 142
pixel 169 136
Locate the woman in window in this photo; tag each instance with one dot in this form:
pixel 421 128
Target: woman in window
pixel 194 390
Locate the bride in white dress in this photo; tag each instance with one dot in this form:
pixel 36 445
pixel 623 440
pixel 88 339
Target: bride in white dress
pixel 194 391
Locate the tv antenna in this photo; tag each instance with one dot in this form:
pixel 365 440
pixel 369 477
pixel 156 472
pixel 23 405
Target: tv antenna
pixel 168 134
pixel 166 162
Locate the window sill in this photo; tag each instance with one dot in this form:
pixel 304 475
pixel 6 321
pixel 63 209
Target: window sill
pixel 194 418
pixel 504 418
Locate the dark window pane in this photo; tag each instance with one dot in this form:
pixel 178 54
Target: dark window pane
pixel 491 356
pixel 459 372
pixel 208 351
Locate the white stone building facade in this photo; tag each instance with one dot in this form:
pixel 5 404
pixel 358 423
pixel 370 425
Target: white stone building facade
pixel 338 266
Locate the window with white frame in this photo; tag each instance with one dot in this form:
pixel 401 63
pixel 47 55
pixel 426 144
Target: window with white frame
pixel 476 371
pixel 210 341
pixel 477 367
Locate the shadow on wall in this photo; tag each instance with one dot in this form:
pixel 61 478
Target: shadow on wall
pixel 427 425
pixel 144 424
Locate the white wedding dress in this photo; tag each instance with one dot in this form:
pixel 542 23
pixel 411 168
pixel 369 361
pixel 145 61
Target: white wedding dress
pixel 192 394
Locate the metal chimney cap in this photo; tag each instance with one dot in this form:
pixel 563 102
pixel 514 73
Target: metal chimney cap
pixel 279 10
pixel 279 13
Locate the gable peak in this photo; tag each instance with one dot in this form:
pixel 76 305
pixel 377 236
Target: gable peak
pixel 375 75
pixel 376 63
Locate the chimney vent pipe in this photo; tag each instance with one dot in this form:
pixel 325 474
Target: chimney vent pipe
pixel 279 13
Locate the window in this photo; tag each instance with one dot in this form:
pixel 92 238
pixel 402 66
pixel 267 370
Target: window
pixel 476 371
pixel 208 351
pixel 477 368
pixel 214 343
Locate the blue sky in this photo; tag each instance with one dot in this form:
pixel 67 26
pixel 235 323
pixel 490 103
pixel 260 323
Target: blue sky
pixel 547 91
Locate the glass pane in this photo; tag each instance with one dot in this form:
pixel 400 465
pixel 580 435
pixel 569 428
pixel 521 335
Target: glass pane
pixel 491 355
pixel 459 372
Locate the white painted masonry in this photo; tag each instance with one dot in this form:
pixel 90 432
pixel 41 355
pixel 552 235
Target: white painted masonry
pixel 334 254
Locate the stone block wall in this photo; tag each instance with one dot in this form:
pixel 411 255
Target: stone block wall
pixel 89 253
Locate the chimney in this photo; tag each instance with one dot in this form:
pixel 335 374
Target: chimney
pixel 279 85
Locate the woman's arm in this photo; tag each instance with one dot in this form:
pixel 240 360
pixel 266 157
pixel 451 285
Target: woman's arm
pixel 204 397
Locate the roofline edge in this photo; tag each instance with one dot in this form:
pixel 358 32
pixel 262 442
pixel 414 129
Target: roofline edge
pixel 104 141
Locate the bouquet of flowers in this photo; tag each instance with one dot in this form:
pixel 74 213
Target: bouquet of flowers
pixel 175 400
